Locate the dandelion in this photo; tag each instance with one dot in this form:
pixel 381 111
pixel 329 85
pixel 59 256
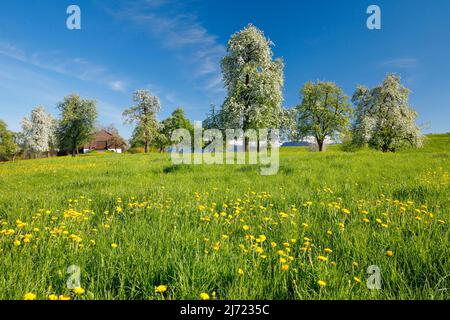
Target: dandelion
pixel 284 267
pixel 64 297
pixel 322 258
pixel 79 291
pixel 29 296
pixel 161 289
pixel 17 243
pixel 358 280
pixel 114 245
pixel 52 297
pixel 390 253
pixel 321 283
pixel 345 211
pixel 240 272
pixel 262 238
pixel 441 221
pixel 204 296
pixel 328 250
pixel 246 228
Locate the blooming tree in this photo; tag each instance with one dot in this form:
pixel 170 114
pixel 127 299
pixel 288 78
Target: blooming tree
pixel 39 130
pixel 143 114
pixel 253 80
pixel 384 118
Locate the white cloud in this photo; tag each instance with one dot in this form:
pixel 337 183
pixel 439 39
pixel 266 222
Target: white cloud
pixel 182 33
pixel 401 63
pixel 73 67
pixel 117 86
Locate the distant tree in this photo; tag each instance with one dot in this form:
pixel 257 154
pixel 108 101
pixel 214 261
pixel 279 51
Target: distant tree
pixel 324 111
pixel 253 81
pixel 143 114
pixel 19 139
pixel 38 130
pixel 214 119
pixel 7 146
pixel 177 120
pixel 116 140
pixel 53 137
pixel 384 118
pixel 77 124
pixel 288 124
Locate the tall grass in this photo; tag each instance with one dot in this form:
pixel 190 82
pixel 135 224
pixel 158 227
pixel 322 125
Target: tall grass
pixel 227 230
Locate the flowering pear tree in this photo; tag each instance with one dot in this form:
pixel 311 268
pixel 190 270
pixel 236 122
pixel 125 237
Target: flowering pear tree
pixel 38 130
pixel 143 114
pixel 253 80
pixel 384 118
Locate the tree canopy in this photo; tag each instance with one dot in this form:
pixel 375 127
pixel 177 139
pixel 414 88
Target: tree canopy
pixel 253 80
pixel 143 114
pixel 77 124
pixel 39 130
pixel 7 146
pixel 324 111
pixel 384 119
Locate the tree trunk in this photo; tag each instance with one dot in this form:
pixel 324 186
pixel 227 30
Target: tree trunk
pixel 146 147
pixel 246 144
pixel 73 152
pixel 320 144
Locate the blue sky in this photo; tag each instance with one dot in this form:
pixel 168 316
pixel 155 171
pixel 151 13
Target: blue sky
pixel 174 49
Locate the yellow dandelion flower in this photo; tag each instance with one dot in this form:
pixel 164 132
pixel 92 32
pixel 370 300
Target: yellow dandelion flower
pixel 240 272
pixel 246 228
pixel 204 296
pixel 284 267
pixel 390 253
pixel 322 258
pixel 328 250
pixel 64 297
pixel 29 296
pixel 52 297
pixel 79 291
pixel 321 283
pixel 161 289
pixel 358 280
pixel 114 245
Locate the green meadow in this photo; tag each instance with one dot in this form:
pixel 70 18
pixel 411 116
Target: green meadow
pixel 133 222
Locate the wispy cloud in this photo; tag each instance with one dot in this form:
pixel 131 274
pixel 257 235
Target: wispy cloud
pixel 182 33
pixel 401 63
pixel 56 62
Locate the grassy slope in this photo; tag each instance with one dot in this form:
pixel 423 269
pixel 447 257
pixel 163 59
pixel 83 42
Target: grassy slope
pixel 162 239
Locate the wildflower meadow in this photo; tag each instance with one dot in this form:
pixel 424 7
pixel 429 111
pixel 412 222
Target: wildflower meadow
pixel 136 226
